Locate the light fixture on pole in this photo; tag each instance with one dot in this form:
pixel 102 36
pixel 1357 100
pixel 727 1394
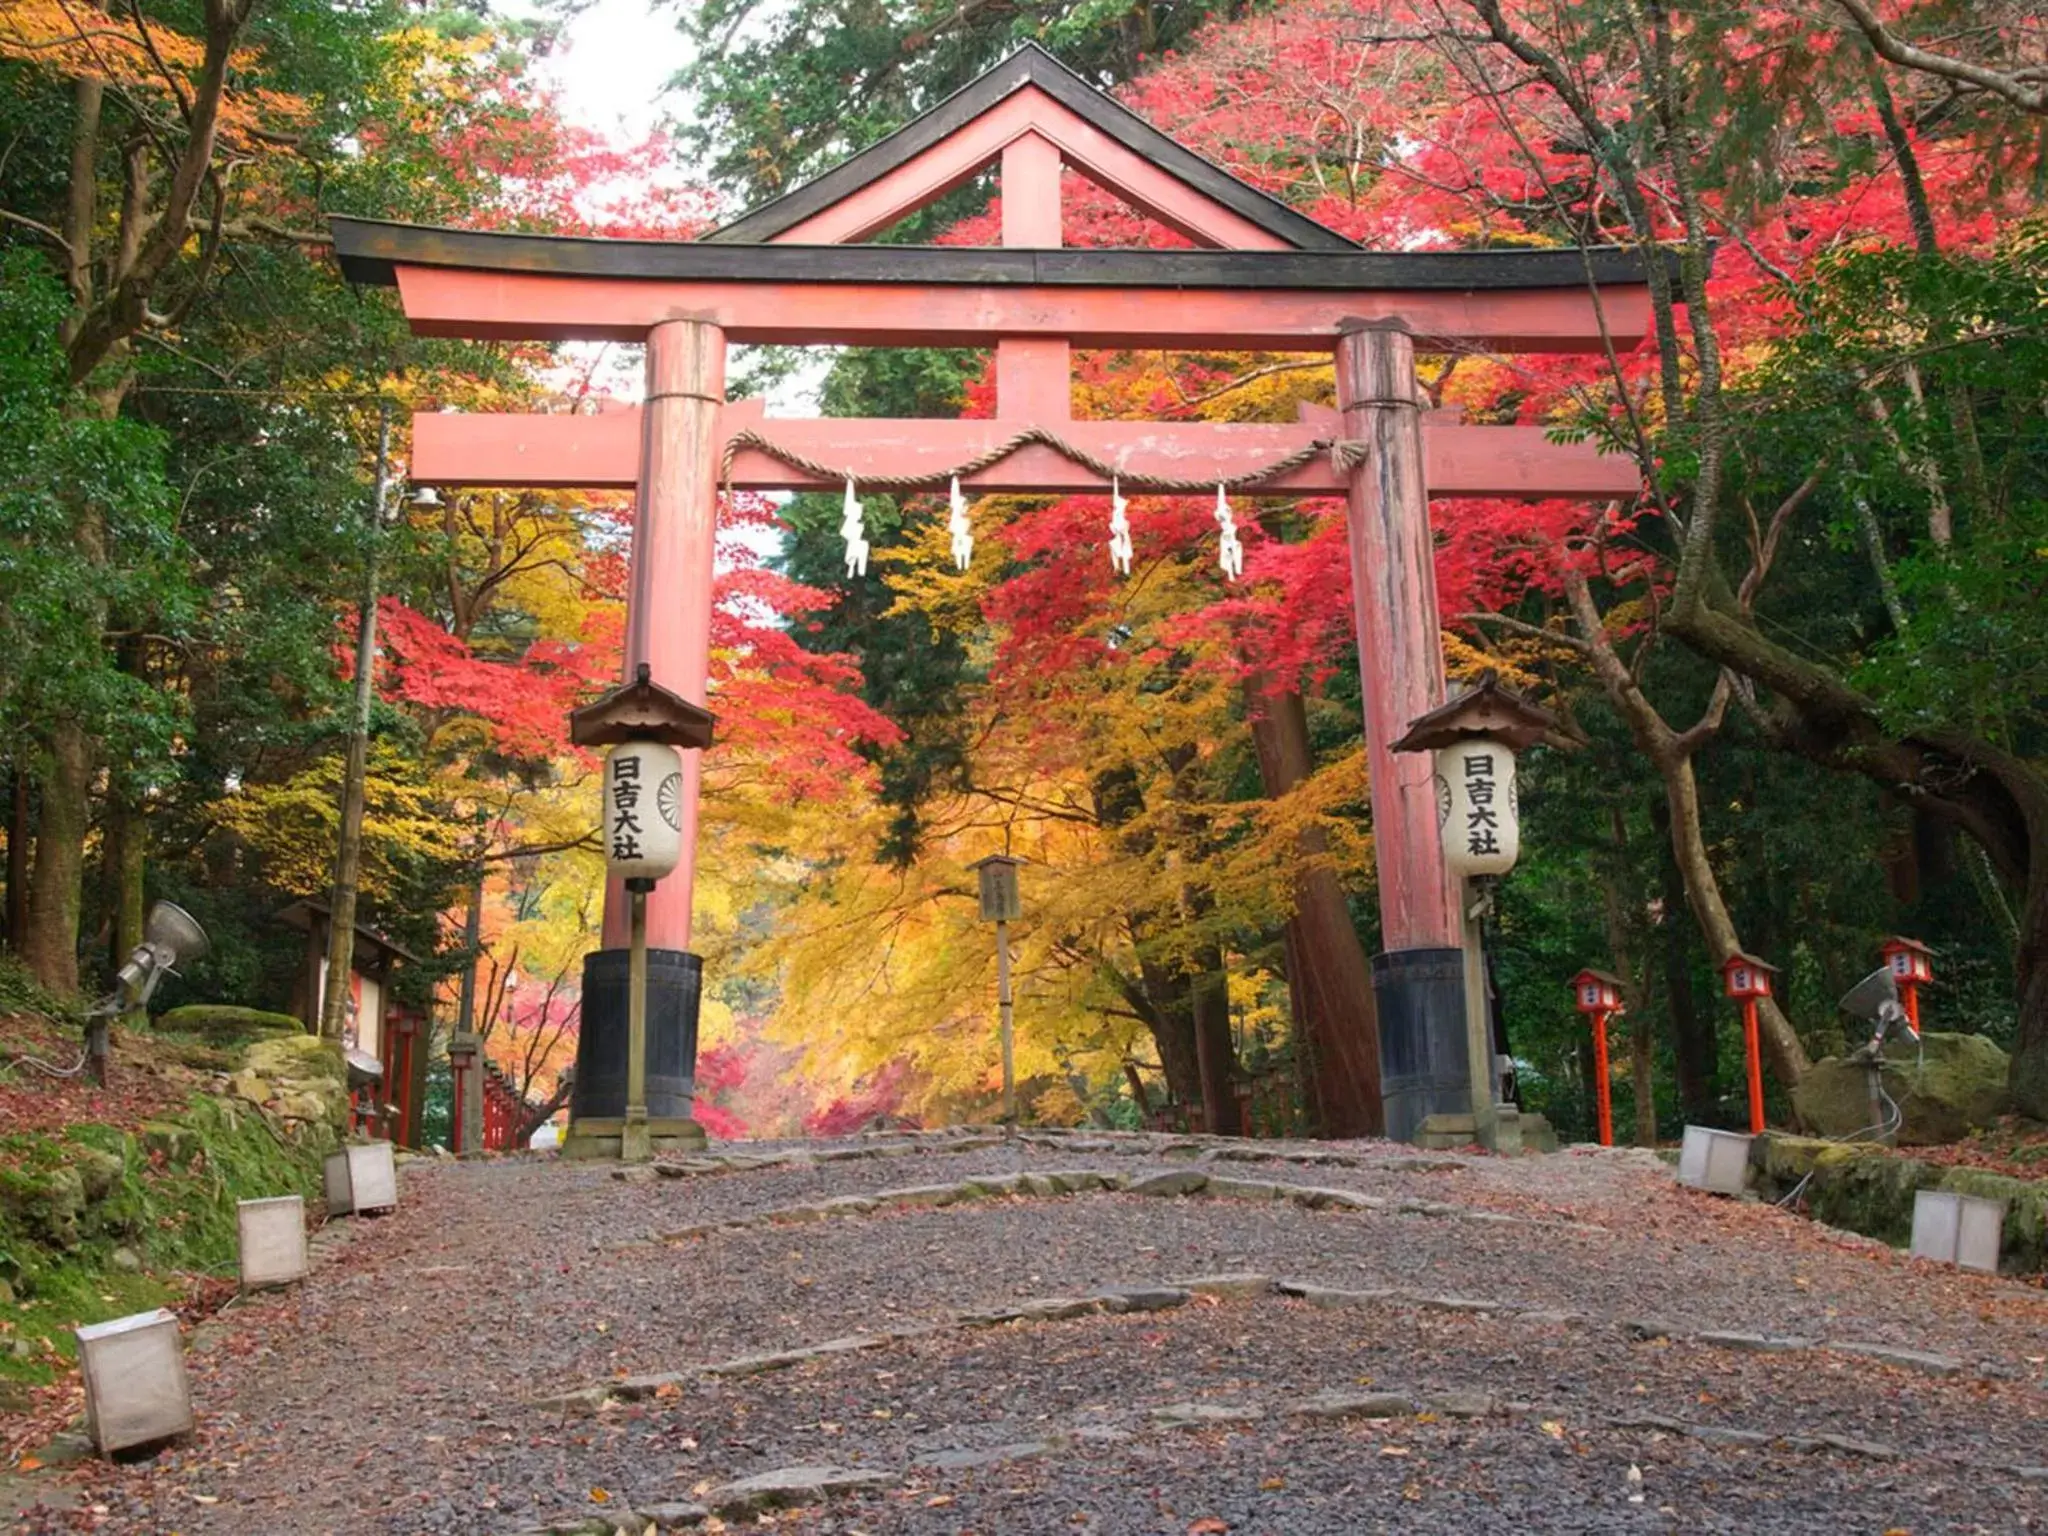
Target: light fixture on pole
pixel 169 935
pixel 1598 995
pixel 1912 966
pixel 1001 905
pixel 645 725
pixel 1746 978
pixel 1475 737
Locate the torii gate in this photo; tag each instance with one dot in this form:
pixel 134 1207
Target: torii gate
pixel 1264 278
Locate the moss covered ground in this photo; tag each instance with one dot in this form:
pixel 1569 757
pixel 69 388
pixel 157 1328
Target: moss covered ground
pixel 116 1200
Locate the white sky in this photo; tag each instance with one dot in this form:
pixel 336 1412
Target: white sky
pixel 618 55
pixel 612 68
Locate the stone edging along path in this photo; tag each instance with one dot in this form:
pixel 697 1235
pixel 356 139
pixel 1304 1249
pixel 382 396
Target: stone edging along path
pixel 1167 1296
pixel 810 1484
pixel 1076 1181
pixel 1047 1139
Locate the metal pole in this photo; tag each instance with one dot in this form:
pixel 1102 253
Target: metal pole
pixel 465 1023
pixel 1003 1016
pixel 636 1145
pixel 348 853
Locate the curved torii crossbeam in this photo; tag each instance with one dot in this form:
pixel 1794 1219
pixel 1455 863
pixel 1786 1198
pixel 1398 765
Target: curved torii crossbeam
pixel 1262 278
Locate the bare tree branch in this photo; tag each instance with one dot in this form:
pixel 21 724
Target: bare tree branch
pixel 2011 85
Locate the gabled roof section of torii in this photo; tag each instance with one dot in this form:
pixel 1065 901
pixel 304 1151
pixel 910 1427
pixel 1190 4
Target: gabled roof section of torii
pixel 1030 93
pixel 795 271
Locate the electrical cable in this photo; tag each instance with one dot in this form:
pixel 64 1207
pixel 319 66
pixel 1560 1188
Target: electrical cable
pixel 1894 1118
pixel 44 1067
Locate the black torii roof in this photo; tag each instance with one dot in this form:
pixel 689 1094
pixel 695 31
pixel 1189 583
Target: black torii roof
pixel 370 250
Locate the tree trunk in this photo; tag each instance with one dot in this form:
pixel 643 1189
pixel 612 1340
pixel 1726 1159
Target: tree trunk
pixel 1694 1047
pixel 1782 1048
pixel 1329 983
pixel 1173 1031
pixel 18 835
pixel 126 847
pixel 348 848
pixel 1616 904
pixel 50 946
pixel 1671 752
pixel 1215 1055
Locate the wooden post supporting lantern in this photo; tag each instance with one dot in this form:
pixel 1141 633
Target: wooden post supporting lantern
pixel 647 727
pixel 1000 905
pixel 1746 978
pixel 1598 996
pixel 1911 964
pixel 1260 276
pixel 1474 738
pixel 462 1054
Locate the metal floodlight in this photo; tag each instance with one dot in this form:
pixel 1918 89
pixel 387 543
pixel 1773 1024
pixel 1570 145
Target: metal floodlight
pixel 427 499
pixel 1875 1000
pixel 171 934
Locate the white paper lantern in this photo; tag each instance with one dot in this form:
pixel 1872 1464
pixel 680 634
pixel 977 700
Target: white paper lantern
pixel 643 810
pixel 1476 807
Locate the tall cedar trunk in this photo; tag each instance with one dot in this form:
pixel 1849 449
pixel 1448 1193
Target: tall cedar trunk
pixel 1173 1030
pixel 127 838
pixel 126 851
pixel 1694 1047
pixel 1160 997
pixel 1215 1054
pixel 50 945
pixel 1329 983
pixel 18 835
pixel 1311 1074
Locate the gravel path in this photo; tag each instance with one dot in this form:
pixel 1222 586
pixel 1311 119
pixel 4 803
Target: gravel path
pixel 394 1393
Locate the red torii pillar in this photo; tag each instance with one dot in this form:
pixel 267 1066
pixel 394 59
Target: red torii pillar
pixel 668 607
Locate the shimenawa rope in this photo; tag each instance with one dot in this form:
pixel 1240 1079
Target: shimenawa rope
pixel 1344 455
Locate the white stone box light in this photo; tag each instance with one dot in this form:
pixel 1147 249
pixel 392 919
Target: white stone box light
pixel 1716 1161
pixel 135 1387
pixel 1963 1230
pixel 272 1237
pixel 361 1177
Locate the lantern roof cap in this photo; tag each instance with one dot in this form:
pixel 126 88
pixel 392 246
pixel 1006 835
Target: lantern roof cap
pixel 1485 709
pixel 1744 957
pixel 1589 974
pixel 998 858
pixel 1897 941
pixel 641 710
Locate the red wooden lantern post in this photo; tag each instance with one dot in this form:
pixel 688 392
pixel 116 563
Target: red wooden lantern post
pixel 405 1039
pixel 1746 979
pixel 1598 995
pixel 1910 963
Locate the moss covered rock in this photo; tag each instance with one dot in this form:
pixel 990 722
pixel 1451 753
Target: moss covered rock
pixel 44 1202
pixel 1946 1088
pixel 219 1021
pixel 299 1077
pixel 1870 1190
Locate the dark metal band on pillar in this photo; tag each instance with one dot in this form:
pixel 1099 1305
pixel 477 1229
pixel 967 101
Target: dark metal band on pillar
pixel 674 982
